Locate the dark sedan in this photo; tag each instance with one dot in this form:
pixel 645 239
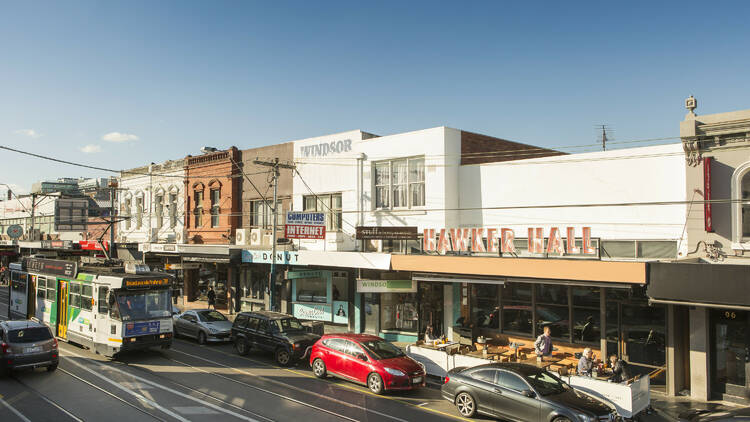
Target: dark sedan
pixel 520 392
pixel 27 344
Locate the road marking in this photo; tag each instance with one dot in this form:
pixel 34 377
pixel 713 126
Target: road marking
pixel 13 409
pixel 422 404
pixel 194 410
pixel 308 375
pixel 127 390
pixel 157 385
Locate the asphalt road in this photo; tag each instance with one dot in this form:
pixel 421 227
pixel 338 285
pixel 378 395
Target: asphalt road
pixel 200 383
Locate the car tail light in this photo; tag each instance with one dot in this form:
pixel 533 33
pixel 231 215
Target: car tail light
pixel 55 342
pixel 4 347
pixel 446 380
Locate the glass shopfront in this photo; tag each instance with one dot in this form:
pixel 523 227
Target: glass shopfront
pixel 405 316
pixel 730 339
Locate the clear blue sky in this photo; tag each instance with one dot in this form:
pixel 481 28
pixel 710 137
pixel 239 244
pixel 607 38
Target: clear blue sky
pixel 179 75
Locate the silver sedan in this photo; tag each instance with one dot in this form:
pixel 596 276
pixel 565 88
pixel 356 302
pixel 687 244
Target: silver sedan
pixel 204 325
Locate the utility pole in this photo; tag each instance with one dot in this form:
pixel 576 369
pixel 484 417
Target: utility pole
pixel 33 206
pixel 604 138
pixel 275 165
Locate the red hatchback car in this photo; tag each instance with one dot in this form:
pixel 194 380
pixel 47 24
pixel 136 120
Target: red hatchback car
pixel 367 360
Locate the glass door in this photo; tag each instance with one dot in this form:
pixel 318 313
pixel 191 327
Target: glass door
pixel 731 341
pixel 372 313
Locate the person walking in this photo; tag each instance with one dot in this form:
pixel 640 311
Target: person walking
pixel 211 295
pixel 543 343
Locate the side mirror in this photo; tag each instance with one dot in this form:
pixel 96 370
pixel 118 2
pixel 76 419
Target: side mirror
pixel 528 393
pixel 362 357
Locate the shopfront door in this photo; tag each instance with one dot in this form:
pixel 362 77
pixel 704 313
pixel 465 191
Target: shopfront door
pixel 731 348
pixel 372 313
pixel 62 310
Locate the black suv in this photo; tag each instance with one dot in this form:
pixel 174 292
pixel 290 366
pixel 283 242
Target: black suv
pixel 274 332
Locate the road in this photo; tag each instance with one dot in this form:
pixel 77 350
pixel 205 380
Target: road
pixel 200 383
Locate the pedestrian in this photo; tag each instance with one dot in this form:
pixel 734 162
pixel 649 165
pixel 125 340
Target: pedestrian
pixel 586 363
pixel 543 343
pixel 211 295
pixel 620 371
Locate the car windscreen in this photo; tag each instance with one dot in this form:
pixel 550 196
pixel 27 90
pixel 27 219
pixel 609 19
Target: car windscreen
pixel 380 349
pixel 29 335
pixel 211 316
pixel 144 304
pixel 289 324
pixel 545 383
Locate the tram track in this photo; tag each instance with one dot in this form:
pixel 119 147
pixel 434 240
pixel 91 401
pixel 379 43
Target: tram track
pixel 47 399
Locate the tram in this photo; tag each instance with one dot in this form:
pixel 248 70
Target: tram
pixel 105 309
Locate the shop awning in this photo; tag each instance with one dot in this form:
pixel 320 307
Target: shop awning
pixel 552 269
pixel 700 284
pixel 367 260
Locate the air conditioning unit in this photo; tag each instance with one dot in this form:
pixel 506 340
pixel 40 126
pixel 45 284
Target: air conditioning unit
pixel 260 237
pixel 242 237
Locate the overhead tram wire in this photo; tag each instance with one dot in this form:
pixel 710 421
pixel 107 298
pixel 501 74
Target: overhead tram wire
pixel 317 199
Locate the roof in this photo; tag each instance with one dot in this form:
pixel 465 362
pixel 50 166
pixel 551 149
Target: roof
pixel 521 368
pixel 268 314
pixel 16 325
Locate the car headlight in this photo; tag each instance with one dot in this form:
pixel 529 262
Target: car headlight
pixel 584 417
pixel 395 372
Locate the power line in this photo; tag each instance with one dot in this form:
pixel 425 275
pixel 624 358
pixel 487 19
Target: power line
pixel 317 199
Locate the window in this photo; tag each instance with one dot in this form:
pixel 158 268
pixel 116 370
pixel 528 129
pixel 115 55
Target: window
pixel 329 204
pixel 484 305
pixel 263 325
pixel 215 197
pixel 41 287
pixel 552 310
pixel 399 183
pixel 159 210
pixel 51 290
pixel 512 381
pixel 126 212
pixel 240 321
pixel 102 304
pixel 138 212
pixel 172 210
pixel 486 375
pixel 586 319
pixel 261 214
pixel 198 211
pixel 517 315
pixel 252 324
pixel 74 296
pixel 87 294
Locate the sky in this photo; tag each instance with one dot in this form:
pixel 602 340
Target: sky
pixel 122 84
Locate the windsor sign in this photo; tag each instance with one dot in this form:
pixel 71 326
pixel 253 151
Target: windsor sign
pixel 493 240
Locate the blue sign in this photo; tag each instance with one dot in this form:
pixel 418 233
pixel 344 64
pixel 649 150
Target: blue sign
pixel 312 311
pixel 141 328
pixel 265 257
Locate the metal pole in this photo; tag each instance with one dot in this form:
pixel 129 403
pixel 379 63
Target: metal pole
pixel 33 205
pixel 271 295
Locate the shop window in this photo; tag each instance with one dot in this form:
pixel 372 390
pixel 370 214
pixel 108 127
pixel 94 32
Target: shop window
pixel 552 310
pixel 172 210
pixel 645 334
pixel 655 249
pixel 311 290
pixel 159 210
pixel 215 198
pixel 485 307
pixel 399 183
pixel 398 311
pixel 139 212
pixel 517 316
pixel 330 204
pixel 198 210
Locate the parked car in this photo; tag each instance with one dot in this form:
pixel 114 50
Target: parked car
pixel 520 392
pixel 368 360
pixel 204 325
pixel 27 344
pixel 281 334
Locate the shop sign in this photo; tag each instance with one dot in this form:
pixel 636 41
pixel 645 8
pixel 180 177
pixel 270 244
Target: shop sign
pixel 502 240
pixel 312 311
pixel 303 274
pixel 305 225
pixel 340 312
pixel 325 148
pixel 57 244
pixel 266 257
pixel 387 233
pixel 52 266
pixel 162 247
pixel 386 286
pixel 92 245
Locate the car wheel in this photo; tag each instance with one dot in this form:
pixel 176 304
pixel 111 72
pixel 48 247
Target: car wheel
pixel 319 368
pixel 375 383
pixel 52 368
pixel 241 345
pixel 561 419
pixel 282 357
pixel 466 405
pixel 201 337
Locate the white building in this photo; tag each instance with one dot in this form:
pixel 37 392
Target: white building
pixel 152 204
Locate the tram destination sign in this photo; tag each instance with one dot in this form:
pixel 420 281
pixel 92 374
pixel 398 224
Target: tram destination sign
pixel 52 266
pixel 144 283
pixel 387 233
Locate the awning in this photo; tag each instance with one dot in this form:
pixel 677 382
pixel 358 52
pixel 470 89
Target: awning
pixel 700 284
pixel 367 260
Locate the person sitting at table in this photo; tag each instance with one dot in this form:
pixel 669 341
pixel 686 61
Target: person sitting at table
pixel 429 335
pixel 586 363
pixel 620 371
pixel 543 343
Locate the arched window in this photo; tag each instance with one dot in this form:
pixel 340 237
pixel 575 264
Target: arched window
pixel 741 207
pixel 159 206
pixel 125 207
pixel 174 193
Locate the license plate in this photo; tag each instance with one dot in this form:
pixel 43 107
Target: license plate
pixel 32 349
pixel 417 380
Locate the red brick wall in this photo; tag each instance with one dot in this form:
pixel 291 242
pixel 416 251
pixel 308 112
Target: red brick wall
pixel 478 149
pixel 216 170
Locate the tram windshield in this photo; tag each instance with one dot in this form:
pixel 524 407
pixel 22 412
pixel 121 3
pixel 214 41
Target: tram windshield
pixel 143 304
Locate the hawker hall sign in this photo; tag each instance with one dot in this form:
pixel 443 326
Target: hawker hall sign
pixel 494 240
